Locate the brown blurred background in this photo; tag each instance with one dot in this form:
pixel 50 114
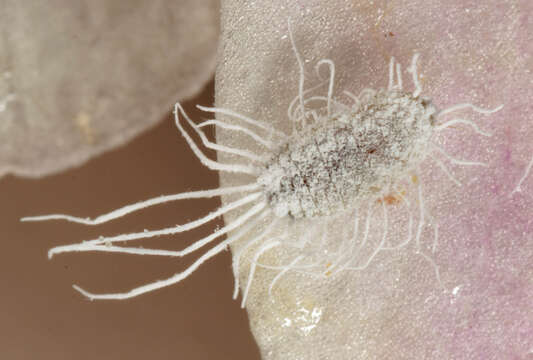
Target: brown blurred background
pixel 42 317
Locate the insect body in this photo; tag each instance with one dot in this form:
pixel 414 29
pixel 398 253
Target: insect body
pixel 349 157
pixel 340 158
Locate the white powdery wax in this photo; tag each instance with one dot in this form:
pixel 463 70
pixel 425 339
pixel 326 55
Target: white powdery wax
pixel 349 157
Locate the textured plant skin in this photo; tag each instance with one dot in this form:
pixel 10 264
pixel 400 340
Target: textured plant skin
pixel 471 51
pixel 81 77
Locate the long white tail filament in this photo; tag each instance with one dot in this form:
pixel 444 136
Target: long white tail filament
pixel 166 282
pixel 92 245
pixel 118 213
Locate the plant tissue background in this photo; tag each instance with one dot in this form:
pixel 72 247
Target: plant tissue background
pixel 71 102
pixel 471 51
pixel 77 78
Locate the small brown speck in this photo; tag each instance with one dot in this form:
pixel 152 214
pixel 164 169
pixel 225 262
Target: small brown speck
pixel 83 121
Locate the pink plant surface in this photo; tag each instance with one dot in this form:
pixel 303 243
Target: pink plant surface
pixel 470 51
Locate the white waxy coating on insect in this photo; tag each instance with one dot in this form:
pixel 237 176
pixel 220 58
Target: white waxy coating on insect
pixel 349 157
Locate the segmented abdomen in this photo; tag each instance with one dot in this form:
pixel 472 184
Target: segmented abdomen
pixel 340 160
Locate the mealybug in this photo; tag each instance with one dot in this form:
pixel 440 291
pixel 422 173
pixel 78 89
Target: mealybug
pixel 341 158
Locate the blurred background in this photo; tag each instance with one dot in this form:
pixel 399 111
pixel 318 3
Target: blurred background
pixel 43 317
